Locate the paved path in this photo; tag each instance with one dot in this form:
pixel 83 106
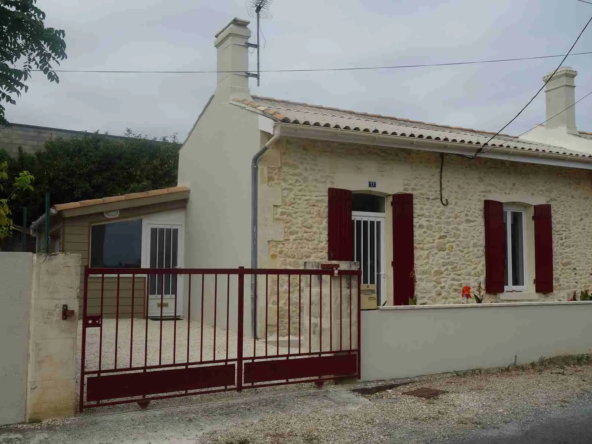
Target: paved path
pixel 565 425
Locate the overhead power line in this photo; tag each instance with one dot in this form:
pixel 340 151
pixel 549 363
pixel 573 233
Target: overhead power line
pixel 559 113
pixel 482 149
pixel 359 68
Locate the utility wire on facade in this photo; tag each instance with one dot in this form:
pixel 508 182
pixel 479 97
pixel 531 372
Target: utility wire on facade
pixel 482 150
pixel 362 68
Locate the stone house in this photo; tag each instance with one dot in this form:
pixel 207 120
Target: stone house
pixel 426 209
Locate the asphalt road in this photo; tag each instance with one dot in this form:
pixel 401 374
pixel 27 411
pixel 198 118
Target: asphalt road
pixel 562 425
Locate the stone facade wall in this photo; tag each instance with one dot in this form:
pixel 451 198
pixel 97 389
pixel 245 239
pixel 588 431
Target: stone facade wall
pixel 449 240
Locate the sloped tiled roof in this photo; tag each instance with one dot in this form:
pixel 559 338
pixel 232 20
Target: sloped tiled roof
pixel 123 197
pixel 314 115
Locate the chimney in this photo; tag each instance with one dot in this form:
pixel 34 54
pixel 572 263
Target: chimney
pixel 233 55
pixel 561 93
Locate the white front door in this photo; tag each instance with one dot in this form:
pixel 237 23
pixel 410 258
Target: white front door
pixel 163 250
pixel 369 250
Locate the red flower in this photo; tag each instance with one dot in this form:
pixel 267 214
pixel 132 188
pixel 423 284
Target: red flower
pixel 466 292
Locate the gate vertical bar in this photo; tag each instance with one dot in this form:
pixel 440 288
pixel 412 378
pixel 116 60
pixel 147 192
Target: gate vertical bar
pixel 359 327
pixel 161 312
pixel 277 316
pixel 340 313
pixel 299 312
pixel 132 321
pixel 254 311
pixel 215 311
pixel 117 321
pixel 101 327
pixel 321 314
pixel 176 281
pixel 188 319
pixel 83 347
pixel 228 312
pixel 330 313
pixel 201 325
pixel 239 339
pixel 289 309
pixel 310 314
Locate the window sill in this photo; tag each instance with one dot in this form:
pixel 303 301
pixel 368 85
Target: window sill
pixel 519 296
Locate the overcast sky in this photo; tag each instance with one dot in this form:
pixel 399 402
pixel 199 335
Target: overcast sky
pixel 179 34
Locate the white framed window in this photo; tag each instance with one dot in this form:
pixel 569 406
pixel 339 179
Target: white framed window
pixel 515 229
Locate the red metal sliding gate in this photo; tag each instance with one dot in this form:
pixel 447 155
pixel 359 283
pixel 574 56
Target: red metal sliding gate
pixel 150 334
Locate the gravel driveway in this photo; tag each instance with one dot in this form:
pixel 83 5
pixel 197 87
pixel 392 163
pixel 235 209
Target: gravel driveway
pixel 474 403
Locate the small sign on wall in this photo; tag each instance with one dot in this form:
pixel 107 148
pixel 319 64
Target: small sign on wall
pixel 371 184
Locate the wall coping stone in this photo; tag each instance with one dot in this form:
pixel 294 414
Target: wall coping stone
pixel 494 305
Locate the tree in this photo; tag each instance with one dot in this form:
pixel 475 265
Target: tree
pixel 91 166
pixel 25 45
pixel 21 184
pixel 94 166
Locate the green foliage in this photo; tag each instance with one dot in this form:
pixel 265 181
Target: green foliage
pixel 93 166
pixel 585 295
pixel 25 45
pixel 21 184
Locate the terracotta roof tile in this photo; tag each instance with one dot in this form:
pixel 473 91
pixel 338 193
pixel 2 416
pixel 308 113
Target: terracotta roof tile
pixel 298 113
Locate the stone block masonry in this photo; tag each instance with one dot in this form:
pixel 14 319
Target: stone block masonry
pixel 449 241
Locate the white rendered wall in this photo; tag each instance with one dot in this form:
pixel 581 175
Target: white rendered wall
pixel 412 341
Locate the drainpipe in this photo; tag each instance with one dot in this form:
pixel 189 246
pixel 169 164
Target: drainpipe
pixel 254 215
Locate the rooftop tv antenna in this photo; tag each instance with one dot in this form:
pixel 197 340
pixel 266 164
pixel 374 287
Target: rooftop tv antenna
pixel 258 8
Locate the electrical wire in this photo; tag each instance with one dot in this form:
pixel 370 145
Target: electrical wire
pixel 443 201
pixel 551 118
pixel 482 150
pixel 362 68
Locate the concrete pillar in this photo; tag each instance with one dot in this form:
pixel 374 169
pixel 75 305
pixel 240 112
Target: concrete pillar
pixel 51 390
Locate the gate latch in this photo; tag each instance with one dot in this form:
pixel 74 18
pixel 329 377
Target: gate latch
pixel 66 313
pixel 334 267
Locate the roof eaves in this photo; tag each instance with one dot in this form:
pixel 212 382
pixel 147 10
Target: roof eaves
pixel 411 140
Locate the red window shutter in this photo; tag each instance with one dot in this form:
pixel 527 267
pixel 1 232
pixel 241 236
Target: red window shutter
pixel 543 249
pixel 341 226
pixel 403 246
pixel 495 246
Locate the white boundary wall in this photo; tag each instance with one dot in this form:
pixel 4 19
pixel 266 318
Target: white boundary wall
pixel 400 342
pixel 16 271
